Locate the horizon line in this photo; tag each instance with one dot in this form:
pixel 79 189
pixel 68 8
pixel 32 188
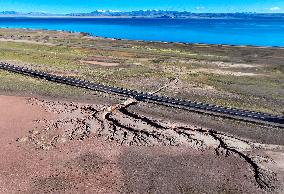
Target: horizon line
pixel 118 11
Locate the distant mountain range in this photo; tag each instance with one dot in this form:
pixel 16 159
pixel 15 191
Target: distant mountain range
pixel 145 14
pixel 14 13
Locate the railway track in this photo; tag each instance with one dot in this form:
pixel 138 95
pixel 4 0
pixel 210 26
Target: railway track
pixel 238 114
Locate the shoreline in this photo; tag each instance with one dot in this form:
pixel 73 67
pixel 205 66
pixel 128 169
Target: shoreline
pixel 120 17
pixel 161 42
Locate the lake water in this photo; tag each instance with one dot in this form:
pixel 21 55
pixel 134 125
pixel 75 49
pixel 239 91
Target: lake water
pixel 258 32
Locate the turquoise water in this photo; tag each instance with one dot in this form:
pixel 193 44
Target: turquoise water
pixel 257 32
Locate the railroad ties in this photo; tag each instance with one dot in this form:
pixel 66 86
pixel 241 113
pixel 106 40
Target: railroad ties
pixel 239 114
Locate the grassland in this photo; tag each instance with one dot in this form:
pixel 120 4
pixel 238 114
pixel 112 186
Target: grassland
pixel 244 77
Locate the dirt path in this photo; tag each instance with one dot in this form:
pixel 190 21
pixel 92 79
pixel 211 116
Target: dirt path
pixel 54 146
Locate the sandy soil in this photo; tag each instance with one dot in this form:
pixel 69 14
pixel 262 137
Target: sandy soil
pixel 224 72
pixel 26 41
pixel 101 63
pixel 66 147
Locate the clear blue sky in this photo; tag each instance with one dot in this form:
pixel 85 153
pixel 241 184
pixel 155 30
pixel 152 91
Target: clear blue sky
pixel 67 6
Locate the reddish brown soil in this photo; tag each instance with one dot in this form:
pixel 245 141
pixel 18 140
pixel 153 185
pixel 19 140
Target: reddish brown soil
pixel 98 166
pixel 16 119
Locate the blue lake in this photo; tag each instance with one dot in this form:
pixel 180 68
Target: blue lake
pixel 258 32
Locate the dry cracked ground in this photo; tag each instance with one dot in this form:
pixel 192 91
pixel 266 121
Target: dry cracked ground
pixel 73 147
